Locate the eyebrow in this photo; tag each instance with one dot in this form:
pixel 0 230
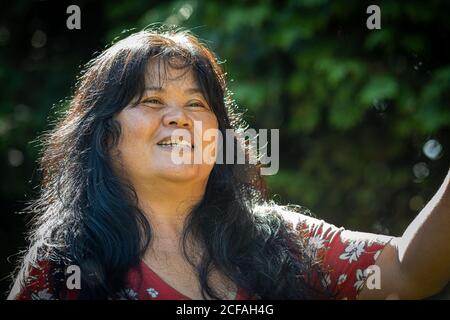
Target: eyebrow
pixel 189 90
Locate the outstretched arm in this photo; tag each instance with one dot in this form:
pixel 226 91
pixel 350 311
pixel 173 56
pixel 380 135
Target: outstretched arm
pixel 417 264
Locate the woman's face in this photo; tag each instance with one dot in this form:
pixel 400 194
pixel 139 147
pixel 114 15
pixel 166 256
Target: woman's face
pixel 172 102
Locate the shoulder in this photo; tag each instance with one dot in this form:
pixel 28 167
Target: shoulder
pixel 301 219
pixel 344 256
pixel 297 217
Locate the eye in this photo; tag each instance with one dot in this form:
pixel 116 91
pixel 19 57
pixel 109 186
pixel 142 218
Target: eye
pixel 196 104
pixel 152 101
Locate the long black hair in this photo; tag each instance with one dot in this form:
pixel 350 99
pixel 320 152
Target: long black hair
pixel 87 216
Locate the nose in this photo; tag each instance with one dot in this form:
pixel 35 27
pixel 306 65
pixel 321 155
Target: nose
pixel 176 117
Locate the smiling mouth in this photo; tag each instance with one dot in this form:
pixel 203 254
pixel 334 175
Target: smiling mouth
pixel 171 143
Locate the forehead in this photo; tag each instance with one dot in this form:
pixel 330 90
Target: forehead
pixel 166 72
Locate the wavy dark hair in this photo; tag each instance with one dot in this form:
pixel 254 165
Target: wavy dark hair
pixel 87 216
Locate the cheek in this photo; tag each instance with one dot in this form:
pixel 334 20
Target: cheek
pixel 209 128
pixel 139 124
pixel 210 136
pixel 137 131
pixel 209 121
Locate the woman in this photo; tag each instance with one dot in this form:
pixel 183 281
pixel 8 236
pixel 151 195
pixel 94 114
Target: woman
pixel 138 225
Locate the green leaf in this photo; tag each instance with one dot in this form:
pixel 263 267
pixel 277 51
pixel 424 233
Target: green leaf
pixel 378 88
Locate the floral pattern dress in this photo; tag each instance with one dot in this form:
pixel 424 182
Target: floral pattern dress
pixel 344 258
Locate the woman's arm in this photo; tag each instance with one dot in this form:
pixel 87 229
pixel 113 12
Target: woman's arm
pixel 417 264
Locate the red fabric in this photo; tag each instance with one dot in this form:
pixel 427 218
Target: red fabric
pixel 343 256
pixel 147 285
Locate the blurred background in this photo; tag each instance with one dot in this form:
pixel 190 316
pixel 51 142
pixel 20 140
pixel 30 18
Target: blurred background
pixel 364 115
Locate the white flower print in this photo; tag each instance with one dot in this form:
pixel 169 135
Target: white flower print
pixel 130 294
pixel 360 279
pixel 315 243
pixel 152 292
pixel 326 280
pixel 42 295
pixel 353 251
pixel 341 279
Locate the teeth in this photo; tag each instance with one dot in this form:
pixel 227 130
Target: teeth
pixel 175 143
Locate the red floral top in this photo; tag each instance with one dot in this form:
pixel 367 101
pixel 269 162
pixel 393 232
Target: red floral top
pixel 344 256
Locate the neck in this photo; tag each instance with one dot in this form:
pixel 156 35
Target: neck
pixel 167 204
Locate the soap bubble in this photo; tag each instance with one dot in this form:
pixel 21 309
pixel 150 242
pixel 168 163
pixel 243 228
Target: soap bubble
pixel 432 149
